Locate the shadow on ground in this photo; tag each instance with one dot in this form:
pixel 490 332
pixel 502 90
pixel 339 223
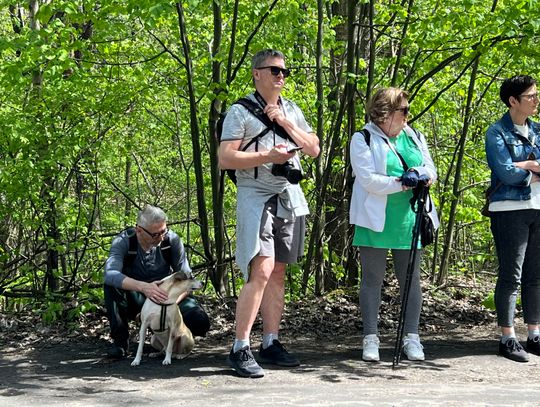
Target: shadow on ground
pixel 329 361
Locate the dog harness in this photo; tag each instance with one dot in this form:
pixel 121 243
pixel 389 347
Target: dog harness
pixel 162 316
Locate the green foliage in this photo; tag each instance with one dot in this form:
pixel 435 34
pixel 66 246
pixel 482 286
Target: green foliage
pixel 294 283
pixel 52 312
pixel 489 301
pixel 95 119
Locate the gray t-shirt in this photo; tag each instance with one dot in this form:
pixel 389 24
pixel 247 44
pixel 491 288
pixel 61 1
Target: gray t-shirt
pixel 146 266
pixel 240 124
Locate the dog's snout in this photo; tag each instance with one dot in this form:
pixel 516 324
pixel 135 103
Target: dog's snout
pixel 196 284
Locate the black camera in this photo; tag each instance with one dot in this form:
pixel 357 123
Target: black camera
pixel 287 170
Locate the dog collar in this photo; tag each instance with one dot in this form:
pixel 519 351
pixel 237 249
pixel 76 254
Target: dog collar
pixel 161 303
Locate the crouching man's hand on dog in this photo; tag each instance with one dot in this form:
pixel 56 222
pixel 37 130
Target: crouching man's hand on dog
pixel 181 297
pixel 154 292
pixel 150 290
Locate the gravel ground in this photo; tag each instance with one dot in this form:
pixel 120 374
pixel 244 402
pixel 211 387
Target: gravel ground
pixel 461 368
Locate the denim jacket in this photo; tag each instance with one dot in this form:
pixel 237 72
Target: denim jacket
pixel 504 146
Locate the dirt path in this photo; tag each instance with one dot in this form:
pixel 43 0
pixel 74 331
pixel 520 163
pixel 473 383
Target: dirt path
pixel 461 369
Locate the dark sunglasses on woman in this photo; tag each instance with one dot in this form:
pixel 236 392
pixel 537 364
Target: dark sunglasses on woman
pixel 405 110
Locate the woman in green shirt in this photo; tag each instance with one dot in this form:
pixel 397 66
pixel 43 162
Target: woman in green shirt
pixel 388 159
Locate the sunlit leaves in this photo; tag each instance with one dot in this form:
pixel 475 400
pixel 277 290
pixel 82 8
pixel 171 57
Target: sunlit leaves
pixel 112 92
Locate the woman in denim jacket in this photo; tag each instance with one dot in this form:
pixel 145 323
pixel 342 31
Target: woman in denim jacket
pixel 514 159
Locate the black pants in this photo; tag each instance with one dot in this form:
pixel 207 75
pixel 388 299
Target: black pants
pixel 517 240
pixel 123 306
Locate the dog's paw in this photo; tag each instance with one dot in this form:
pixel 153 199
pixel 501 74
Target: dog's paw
pixel 166 361
pixel 136 362
pixel 180 356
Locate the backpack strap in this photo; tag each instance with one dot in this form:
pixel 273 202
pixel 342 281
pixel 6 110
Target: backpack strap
pixel 166 250
pixel 165 247
pixel 351 176
pixel 367 135
pixel 256 111
pixel 132 249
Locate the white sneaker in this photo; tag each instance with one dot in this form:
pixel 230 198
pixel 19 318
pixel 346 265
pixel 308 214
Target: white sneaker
pixel 412 347
pixel 370 347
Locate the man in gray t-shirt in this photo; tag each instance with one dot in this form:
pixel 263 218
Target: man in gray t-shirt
pixel 270 207
pixel 132 275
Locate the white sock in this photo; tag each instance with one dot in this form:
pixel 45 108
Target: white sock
pixel 268 339
pixel 534 333
pixel 239 344
pixel 504 338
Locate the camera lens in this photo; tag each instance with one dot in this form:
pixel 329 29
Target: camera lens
pixel 294 176
pixel 287 170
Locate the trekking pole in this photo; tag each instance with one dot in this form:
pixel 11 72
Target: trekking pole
pixel 419 198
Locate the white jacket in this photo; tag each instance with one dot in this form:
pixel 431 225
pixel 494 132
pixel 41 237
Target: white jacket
pixel 371 183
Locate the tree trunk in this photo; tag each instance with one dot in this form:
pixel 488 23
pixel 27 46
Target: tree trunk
pixel 449 235
pixel 328 180
pixel 195 139
pixel 218 273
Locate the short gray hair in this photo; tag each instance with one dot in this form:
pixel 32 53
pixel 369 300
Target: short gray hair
pixel 260 57
pixel 151 215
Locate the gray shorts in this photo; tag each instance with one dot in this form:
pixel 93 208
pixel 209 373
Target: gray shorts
pixel 279 238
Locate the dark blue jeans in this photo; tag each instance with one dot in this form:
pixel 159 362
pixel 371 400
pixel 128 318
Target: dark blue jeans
pixel 517 241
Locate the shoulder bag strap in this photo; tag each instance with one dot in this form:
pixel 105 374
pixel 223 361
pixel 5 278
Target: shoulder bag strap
pixel 403 163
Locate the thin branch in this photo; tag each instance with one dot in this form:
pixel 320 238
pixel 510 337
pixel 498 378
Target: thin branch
pixel 148 184
pixel 250 39
pixel 131 63
pixel 135 204
pixel 168 50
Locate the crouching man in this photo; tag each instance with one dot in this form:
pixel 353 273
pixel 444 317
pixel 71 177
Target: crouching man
pixel 139 257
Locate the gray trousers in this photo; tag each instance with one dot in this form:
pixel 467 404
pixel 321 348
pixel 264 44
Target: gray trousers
pixel 373 263
pixel 517 240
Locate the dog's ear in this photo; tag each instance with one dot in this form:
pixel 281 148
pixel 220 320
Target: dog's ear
pixel 179 275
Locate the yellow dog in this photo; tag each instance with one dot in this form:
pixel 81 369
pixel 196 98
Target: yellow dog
pixel 171 336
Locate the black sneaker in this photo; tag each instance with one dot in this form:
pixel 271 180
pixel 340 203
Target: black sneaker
pixel 243 362
pixel 117 351
pixel 276 354
pixel 513 350
pixel 533 345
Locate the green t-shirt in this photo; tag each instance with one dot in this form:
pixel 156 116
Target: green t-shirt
pixel 397 232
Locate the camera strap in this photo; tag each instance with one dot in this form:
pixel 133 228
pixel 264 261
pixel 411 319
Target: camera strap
pixel 405 166
pixel 393 148
pixel 276 128
pixel 257 110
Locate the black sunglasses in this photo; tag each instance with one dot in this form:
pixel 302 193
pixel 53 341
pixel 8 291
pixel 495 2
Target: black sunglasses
pixel 157 234
pixel 405 110
pixel 276 70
